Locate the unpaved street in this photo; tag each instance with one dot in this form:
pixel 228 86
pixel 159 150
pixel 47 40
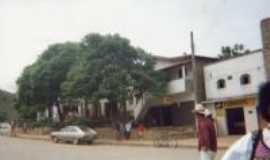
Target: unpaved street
pixel 21 149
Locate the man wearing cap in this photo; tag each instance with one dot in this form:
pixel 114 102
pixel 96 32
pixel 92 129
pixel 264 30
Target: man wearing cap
pixel 206 133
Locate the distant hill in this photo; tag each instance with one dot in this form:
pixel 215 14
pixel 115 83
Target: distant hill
pixel 7 101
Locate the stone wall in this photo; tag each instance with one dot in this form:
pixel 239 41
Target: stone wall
pixel 265 29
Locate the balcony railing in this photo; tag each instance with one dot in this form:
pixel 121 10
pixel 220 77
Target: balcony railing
pixel 177 86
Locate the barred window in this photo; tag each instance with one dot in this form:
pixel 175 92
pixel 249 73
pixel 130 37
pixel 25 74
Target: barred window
pixel 245 79
pixel 221 83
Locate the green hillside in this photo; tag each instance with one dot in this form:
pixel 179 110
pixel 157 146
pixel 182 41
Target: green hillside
pixel 7 101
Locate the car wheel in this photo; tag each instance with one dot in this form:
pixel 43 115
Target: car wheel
pixel 55 139
pixel 76 141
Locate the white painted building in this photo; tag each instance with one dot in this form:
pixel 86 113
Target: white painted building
pixel 174 108
pixel 231 87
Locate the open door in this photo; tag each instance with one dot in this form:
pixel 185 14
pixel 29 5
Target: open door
pixel 236 121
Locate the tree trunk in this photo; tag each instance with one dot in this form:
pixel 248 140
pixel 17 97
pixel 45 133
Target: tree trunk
pixel 50 111
pixel 59 112
pixel 124 112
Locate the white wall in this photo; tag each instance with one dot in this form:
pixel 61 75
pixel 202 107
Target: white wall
pixel 138 107
pixel 252 64
pixel 102 105
pixel 177 86
pixel 161 64
pixel 220 121
pixel 251 120
pixel 133 105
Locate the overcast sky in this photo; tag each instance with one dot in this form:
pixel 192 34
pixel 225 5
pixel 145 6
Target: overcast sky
pixel 161 27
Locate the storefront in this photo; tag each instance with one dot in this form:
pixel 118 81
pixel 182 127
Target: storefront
pixel 167 111
pixel 234 116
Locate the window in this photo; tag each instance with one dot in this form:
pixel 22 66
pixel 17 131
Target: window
pixel 230 77
pixel 221 83
pixel 245 79
pixel 180 73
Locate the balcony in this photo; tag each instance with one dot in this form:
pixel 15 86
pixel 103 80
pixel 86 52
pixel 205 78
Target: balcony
pixel 177 86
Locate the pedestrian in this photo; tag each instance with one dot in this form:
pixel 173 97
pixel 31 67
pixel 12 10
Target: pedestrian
pixel 13 128
pixel 206 133
pixel 128 128
pixel 122 130
pixel 255 145
pixel 140 131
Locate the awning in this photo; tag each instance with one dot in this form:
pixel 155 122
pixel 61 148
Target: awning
pixel 229 99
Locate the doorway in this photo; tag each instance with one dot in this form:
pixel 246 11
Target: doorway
pixel 236 121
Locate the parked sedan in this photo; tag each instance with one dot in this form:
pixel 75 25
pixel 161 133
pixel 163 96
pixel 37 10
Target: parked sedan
pixel 74 134
pixel 5 128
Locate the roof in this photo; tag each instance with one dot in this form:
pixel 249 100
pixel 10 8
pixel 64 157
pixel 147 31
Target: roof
pixel 180 60
pixel 242 55
pixel 183 57
pixel 175 65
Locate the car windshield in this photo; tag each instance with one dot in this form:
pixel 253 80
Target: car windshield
pixel 69 129
pixel 85 128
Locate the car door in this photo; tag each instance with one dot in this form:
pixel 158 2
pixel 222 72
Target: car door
pixel 71 134
pixel 62 134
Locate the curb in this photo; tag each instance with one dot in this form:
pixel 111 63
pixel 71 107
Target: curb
pixel 32 137
pixel 121 143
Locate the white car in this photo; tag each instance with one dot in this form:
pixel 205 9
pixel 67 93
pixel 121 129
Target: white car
pixel 74 134
pixel 5 129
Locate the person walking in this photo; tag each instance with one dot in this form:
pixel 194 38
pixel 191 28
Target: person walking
pixel 140 131
pixel 206 133
pixel 13 128
pixel 128 128
pixel 255 145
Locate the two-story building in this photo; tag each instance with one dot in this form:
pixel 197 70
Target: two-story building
pixel 231 88
pixel 175 108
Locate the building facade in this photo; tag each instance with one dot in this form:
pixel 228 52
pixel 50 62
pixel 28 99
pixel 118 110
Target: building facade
pixel 231 89
pixel 174 109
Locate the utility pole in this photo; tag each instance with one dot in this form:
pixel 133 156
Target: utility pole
pixel 194 68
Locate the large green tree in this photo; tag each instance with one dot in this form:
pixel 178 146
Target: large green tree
pixel 98 67
pixel 112 69
pixel 39 85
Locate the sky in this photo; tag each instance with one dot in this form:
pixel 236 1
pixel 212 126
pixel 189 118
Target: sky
pixel 161 27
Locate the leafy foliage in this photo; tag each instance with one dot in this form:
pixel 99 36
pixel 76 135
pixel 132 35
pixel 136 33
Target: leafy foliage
pixel 7 110
pixel 98 67
pixel 39 85
pixel 236 50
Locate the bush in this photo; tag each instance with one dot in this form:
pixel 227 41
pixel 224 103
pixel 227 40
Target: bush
pixel 47 123
pixel 80 121
pixel 43 123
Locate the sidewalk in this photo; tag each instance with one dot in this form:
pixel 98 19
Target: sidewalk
pixel 223 142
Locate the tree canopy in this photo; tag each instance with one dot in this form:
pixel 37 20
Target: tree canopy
pixel 39 84
pixel 7 110
pixel 98 67
pixel 235 50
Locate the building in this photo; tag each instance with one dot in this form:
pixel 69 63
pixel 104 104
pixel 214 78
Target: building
pixel 231 88
pixel 175 109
